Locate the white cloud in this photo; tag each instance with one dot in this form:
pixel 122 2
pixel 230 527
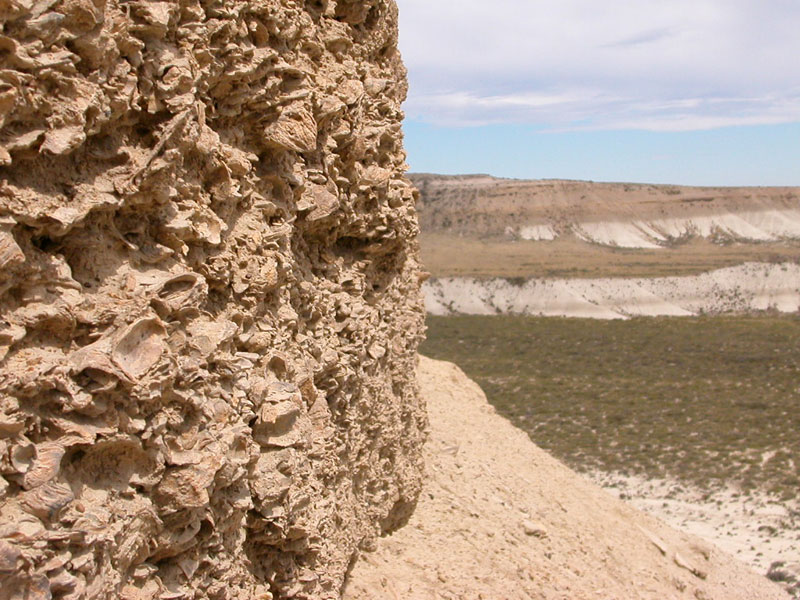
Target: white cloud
pixel 649 64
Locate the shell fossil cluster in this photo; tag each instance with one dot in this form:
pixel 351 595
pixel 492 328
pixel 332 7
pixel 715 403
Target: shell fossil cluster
pixel 210 297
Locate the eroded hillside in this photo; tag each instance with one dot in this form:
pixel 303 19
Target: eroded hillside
pixel 606 250
pixel 622 215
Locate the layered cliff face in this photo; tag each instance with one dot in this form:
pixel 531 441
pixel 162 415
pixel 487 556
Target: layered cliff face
pixel 210 297
pixel 619 215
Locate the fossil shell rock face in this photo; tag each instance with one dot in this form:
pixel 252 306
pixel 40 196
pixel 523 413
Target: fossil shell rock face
pixel 209 297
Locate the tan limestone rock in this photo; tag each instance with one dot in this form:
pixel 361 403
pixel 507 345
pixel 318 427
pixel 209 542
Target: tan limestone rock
pixel 202 245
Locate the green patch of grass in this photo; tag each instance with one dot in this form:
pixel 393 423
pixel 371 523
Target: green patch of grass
pixel 707 399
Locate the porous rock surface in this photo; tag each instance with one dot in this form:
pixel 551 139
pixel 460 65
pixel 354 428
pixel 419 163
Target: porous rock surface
pixel 210 297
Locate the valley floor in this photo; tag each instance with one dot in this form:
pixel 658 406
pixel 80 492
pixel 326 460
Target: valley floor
pixel 452 255
pixel 692 419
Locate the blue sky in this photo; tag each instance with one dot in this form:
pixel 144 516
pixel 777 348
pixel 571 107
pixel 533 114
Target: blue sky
pixel 701 92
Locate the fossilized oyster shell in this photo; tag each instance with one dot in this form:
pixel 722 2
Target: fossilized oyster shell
pixel 9 335
pixel 295 130
pixel 269 479
pixel 175 538
pixel 320 201
pixel 118 462
pixel 10 557
pixel 22 455
pixel 185 487
pixel 95 362
pixel 47 500
pixel 45 466
pixel 177 292
pixel 64 140
pixel 11 254
pixel 207 335
pixel 136 545
pixel 139 347
pixel 66 586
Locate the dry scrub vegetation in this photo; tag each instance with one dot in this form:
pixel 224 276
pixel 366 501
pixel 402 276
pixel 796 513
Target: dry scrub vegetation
pixel 705 400
pixel 568 257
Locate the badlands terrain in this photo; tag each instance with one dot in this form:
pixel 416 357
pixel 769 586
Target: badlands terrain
pixel 624 215
pixel 676 386
pixel 606 250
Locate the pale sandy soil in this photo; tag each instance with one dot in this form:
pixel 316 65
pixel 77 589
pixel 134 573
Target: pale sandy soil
pixel 501 519
pixel 757 529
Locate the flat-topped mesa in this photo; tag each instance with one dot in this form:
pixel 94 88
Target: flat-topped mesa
pixel 210 297
pixel 621 215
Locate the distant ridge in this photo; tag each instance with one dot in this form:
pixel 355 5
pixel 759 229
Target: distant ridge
pixel 621 215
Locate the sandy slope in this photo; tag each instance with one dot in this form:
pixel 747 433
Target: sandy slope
pixel 500 518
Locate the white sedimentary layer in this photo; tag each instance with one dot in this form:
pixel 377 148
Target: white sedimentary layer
pixel 618 233
pixel 753 226
pixel 746 287
pixel 541 232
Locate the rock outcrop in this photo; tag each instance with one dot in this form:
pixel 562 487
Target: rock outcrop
pixel 210 297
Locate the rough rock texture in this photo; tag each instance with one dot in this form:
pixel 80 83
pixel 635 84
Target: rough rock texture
pixel 499 518
pixel 210 297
